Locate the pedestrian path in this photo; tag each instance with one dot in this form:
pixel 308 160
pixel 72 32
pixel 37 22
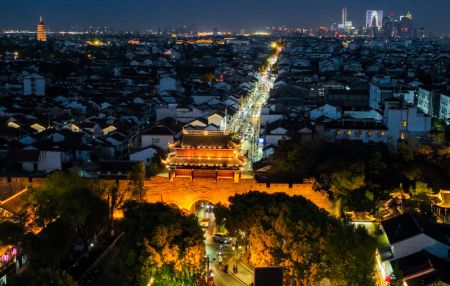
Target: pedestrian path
pixel 244 272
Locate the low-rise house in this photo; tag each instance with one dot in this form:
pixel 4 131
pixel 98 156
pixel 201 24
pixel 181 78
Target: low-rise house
pixel 405 122
pixel 366 131
pixel 159 136
pixel 444 111
pixel 409 236
pixel 145 155
pixel 429 100
pixel 326 110
pixel 37 160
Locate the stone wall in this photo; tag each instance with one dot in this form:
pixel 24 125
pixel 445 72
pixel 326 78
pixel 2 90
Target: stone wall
pixel 12 185
pixel 185 193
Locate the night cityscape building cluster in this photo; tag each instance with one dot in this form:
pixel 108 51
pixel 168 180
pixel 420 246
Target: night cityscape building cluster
pixel 187 157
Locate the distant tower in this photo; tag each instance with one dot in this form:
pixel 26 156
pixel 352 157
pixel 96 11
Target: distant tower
pixel 344 16
pixel 40 32
pixel 374 19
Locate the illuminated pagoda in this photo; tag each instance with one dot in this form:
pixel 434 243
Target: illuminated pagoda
pixel 205 154
pixel 40 32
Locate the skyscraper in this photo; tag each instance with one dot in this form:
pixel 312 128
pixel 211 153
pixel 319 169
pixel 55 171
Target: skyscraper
pixel 344 15
pixel 374 19
pixel 40 32
pixel 346 26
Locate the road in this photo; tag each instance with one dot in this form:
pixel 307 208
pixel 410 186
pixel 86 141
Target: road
pixel 245 124
pixel 212 249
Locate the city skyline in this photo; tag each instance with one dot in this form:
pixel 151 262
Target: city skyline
pixel 248 14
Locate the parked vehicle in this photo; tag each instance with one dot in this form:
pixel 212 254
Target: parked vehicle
pixel 204 223
pixel 219 238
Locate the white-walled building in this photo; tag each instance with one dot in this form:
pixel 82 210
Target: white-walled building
pixel 444 111
pixel 159 136
pixel 410 236
pixel 326 110
pixel 38 161
pixel 146 155
pixel 405 122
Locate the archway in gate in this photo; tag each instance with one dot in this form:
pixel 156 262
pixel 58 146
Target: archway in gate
pixel 201 204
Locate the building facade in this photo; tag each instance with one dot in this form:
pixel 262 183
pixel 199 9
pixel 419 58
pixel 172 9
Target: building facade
pixel 205 154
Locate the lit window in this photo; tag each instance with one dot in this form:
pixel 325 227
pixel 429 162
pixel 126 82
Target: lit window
pixel 349 132
pixel 404 123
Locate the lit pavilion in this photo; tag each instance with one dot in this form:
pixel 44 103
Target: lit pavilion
pixel 205 154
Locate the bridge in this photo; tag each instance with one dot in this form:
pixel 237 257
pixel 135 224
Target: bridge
pixel 185 193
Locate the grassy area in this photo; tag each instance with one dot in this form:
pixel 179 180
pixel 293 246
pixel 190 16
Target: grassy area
pixel 379 235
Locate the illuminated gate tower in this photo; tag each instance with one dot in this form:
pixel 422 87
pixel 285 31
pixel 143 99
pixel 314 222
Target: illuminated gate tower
pixel 205 154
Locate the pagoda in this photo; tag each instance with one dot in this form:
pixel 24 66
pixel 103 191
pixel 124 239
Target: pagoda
pixel 40 31
pixel 205 154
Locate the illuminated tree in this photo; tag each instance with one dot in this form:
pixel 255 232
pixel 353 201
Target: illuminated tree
pixel 136 181
pixel 161 245
pixel 292 232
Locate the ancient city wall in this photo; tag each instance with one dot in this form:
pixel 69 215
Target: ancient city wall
pixel 184 193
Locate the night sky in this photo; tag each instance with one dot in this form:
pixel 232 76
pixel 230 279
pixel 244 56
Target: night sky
pixel 230 15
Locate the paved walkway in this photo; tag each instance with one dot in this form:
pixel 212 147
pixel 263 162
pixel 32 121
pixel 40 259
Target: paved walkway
pixel 244 274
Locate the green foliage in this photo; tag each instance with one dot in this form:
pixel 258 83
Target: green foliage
pixel 397 276
pixel 65 207
pixel 51 245
pixel 42 277
pixel 161 244
pixel 65 196
pixel 296 161
pixel 351 252
pixel 357 176
pixel 137 179
pixel 11 233
pixel 220 213
pixel 293 232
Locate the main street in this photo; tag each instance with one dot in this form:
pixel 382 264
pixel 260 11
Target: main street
pixel 245 127
pixel 246 122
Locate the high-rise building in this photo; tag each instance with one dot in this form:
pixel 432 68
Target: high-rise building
pixel 344 16
pixel 40 32
pixel 406 25
pixel 390 26
pixel 346 26
pixel 374 19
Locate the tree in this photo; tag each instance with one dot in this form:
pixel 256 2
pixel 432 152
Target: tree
pixel 65 207
pixel 293 232
pixel 220 214
pixel 50 246
pixel 42 277
pixel 160 244
pixel 295 161
pixel 397 276
pixel 351 251
pixel 137 179
pixel 344 181
pixel 11 233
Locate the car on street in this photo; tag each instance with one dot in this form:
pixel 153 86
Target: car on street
pixel 222 239
pixel 204 223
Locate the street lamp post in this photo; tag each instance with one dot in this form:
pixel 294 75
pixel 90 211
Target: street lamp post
pixel 207 267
